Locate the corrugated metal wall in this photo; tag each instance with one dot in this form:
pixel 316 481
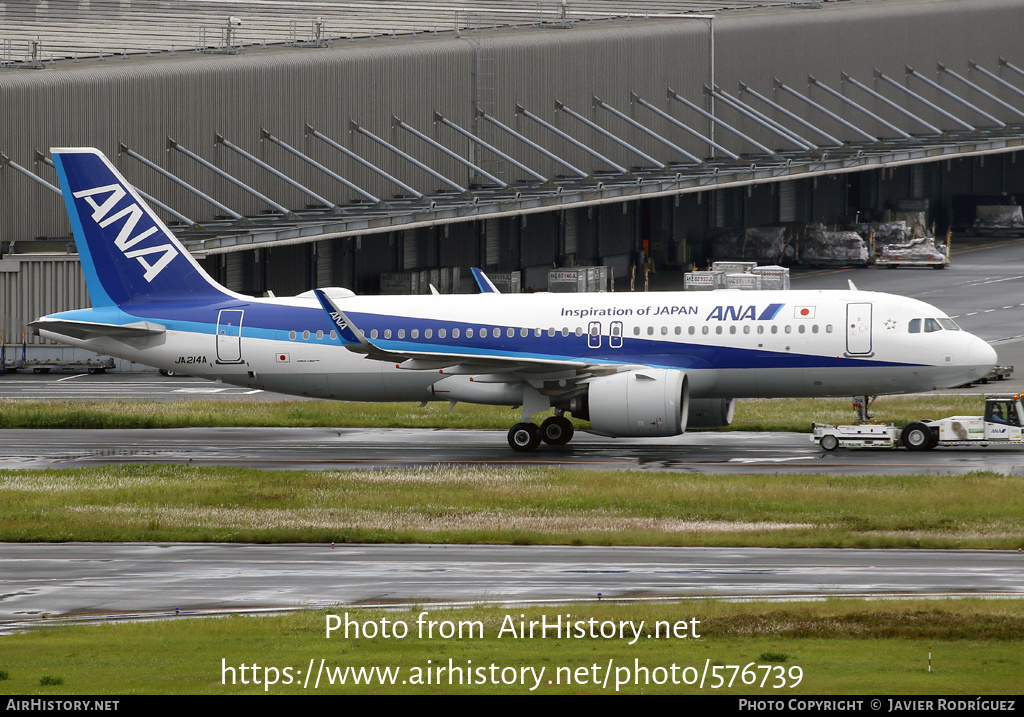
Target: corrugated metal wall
pixel 142 101
pixel 33 285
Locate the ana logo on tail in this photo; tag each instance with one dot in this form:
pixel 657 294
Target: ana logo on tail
pixel 102 207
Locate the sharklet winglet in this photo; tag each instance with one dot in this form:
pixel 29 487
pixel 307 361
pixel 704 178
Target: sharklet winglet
pixel 349 335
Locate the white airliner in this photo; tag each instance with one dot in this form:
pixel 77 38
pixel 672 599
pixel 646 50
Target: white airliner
pixel 636 364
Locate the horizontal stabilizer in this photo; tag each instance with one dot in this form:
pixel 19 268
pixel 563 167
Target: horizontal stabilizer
pixel 93 330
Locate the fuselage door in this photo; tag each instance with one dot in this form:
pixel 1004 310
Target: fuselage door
pixel 858 328
pixel 229 336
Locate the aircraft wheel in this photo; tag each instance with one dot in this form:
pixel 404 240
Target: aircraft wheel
pixel 524 437
pixel 829 442
pixel 917 437
pixel 557 430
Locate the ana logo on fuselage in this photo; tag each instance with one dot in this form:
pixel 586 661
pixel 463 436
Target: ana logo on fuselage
pixel 743 313
pixel 131 215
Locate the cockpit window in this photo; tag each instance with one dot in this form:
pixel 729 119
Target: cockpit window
pixel 914 327
pixel 931 325
pixel 949 325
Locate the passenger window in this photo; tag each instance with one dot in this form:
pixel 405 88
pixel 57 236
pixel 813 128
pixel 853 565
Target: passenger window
pixel 373 334
pixel 455 333
pixel 914 327
pixel 775 329
pixel 692 330
pixel 415 333
pixel 746 329
pixel 401 334
pixel 802 329
pixel 305 336
pixel 469 333
pixel 441 333
pixel 650 331
pixel 704 330
pixel 292 335
pixel 428 333
pixel 334 334
pixel 496 333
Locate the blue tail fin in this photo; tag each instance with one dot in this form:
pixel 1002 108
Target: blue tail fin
pixel 484 282
pixel 127 253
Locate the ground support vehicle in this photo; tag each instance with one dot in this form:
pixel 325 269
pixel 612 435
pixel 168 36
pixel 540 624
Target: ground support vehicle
pixel 998 373
pixel 925 251
pixel 1001 425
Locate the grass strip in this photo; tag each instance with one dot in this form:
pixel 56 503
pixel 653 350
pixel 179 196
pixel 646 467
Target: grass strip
pixel 751 414
pixel 844 647
pixel 509 505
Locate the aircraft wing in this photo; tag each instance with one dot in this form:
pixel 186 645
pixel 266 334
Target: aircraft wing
pixel 94 330
pixel 493 369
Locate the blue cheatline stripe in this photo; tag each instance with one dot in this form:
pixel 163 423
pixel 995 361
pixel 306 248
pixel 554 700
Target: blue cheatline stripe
pixel 274 322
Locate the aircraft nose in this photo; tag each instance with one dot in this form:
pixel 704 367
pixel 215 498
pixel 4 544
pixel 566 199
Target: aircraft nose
pixel 981 356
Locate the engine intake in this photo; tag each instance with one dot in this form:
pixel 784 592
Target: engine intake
pixel 711 412
pixel 642 402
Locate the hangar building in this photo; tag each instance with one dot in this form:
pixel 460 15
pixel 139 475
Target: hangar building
pixel 304 144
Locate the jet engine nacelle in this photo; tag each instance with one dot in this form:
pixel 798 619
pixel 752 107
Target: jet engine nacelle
pixel 711 412
pixel 642 402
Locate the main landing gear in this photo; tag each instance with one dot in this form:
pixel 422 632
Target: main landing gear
pixel 556 430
